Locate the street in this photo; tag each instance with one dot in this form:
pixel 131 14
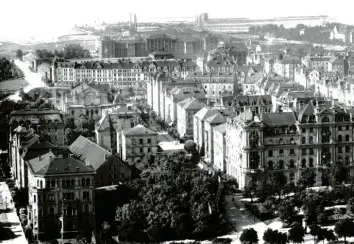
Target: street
pixel 33 79
pixel 9 219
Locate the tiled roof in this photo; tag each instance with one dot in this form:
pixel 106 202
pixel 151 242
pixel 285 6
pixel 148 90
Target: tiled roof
pixel 191 104
pixel 49 164
pixel 89 151
pixel 139 130
pixel 205 113
pixel 279 119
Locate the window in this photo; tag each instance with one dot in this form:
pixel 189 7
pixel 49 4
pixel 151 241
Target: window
pixel 304 151
pixel 303 130
pixel 311 130
pixel 325 120
pixel 347 137
pixel 303 140
pixel 340 150
pixel 270 165
pixel 34 198
pixel 149 149
pixel 141 141
pixel 270 153
pixel 281 141
pixel 339 128
pixel 141 150
pixel 310 140
pixel 281 164
pixel 292 141
pixel 86 208
pixel 281 152
pixel 133 141
pixel 40 212
pixel 340 138
pixel 347 127
pixel 86 195
pixel 149 140
pixel 311 151
pixel 50 210
pixel 347 149
pixel 292 164
pixel 303 163
pixel 87 182
pixel 311 163
pixel 51 197
pixel 53 183
pixel 292 151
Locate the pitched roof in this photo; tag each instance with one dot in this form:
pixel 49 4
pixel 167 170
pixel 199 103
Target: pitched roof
pixel 205 113
pixel 49 164
pixel 89 151
pixel 216 119
pixel 278 119
pixel 191 104
pixel 221 128
pixel 139 130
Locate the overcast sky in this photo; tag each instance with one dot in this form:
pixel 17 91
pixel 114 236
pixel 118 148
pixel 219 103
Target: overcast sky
pixel 24 18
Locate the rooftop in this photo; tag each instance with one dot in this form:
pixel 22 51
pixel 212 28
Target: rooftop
pixel 139 130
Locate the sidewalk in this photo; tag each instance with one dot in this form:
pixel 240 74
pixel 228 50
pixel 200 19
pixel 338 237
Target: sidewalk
pixel 9 219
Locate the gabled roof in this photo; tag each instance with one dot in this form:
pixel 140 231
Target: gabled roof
pixel 216 119
pixel 205 113
pixel 87 150
pixel 49 164
pixel 139 130
pixel 191 104
pixel 221 128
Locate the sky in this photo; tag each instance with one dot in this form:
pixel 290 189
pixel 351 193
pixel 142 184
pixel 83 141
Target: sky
pixel 26 18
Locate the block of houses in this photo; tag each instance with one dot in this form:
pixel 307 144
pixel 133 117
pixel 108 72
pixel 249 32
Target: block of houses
pixel 186 109
pixel 219 145
pixel 61 196
pixel 137 142
pixel 110 169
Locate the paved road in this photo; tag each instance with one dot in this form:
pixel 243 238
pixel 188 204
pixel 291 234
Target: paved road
pixel 33 79
pixel 10 218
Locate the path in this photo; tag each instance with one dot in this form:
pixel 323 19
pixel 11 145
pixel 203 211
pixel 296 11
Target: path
pixel 9 219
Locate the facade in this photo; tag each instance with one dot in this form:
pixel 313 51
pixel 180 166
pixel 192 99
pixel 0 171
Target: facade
pixel 48 123
pixel 138 141
pixel 61 196
pixel 110 126
pixel 110 170
pixel 319 135
pixel 220 147
pixel 186 109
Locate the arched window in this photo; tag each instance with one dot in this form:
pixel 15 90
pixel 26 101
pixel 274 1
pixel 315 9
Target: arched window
pixel 303 163
pixel 291 164
pixel 303 140
pixel 281 164
pixel 281 141
pixel 311 164
pixel 37 183
pixel 325 120
pixel 312 118
pixel 270 165
pixel 347 137
pixel 41 184
pixel 340 138
pixel 292 141
pixel 53 183
pixel 311 139
pixel 87 182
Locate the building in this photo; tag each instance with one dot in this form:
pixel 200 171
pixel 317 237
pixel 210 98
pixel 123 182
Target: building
pixel 110 169
pixel 257 146
pixel 30 59
pixel 255 103
pixel 186 109
pixel 138 141
pixel 341 33
pixel 236 51
pixel 219 150
pixel 170 147
pixel 61 196
pixel 46 123
pixel 287 66
pixel 110 126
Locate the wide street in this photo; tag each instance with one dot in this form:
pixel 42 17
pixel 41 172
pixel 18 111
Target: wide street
pixel 33 79
pixel 9 219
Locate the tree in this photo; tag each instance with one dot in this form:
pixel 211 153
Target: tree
pixel 344 228
pixel 350 205
pixel 286 211
pixel 249 236
pixel 277 181
pixel 296 233
pixel 69 122
pixel 153 114
pixel 315 231
pixel 307 178
pixel 338 174
pixel 70 136
pixel 274 237
pixel 19 54
pixel 250 191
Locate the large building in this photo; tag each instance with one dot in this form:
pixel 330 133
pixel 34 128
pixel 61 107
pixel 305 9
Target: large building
pixel 257 146
pixel 61 196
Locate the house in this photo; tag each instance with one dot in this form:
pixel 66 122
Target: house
pixel 110 169
pixel 30 59
pixel 341 33
pixel 61 196
pixel 185 111
pixel 138 141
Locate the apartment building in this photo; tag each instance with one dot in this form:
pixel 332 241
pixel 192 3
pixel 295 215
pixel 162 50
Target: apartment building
pixel 61 196
pixel 137 142
pixel 257 146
